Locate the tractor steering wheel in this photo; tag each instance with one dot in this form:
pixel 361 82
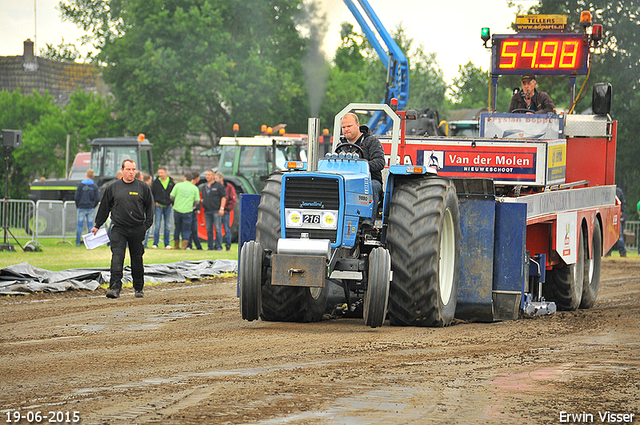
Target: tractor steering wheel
pixel 522 111
pixel 348 147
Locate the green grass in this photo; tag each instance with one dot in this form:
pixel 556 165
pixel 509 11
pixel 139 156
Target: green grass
pixel 56 256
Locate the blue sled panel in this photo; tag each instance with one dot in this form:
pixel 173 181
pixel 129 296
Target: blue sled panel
pixel 477 218
pixel 509 260
pixel 248 217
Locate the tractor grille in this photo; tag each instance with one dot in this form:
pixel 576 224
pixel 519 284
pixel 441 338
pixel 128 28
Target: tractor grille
pixel 312 193
pixel 313 234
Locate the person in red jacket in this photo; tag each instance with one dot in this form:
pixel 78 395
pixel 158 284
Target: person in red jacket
pixel 226 217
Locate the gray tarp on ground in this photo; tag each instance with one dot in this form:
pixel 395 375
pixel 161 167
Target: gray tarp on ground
pixel 23 278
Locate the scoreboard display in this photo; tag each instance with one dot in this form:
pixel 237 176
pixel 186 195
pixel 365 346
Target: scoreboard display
pixel 540 53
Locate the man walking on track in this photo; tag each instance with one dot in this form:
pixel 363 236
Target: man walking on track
pixel 131 205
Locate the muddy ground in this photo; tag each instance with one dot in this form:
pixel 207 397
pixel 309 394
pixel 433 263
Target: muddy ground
pixel 182 355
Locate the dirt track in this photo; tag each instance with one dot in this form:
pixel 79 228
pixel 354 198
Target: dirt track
pixel 183 355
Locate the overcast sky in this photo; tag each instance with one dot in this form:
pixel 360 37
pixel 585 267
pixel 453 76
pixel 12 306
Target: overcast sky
pixel 450 28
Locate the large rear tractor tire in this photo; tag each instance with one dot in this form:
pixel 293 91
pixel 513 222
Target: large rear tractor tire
pixel 250 280
pixel 423 238
pixel 564 284
pixel 592 270
pixel 284 303
pixel 376 298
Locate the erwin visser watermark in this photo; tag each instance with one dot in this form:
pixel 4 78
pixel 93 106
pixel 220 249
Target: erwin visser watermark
pixel 600 417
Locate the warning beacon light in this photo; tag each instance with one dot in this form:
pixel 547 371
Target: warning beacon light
pixel 585 19
pixel 596 34
pixel 485 35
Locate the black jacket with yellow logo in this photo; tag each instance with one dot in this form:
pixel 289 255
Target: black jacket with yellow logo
pixel 130 204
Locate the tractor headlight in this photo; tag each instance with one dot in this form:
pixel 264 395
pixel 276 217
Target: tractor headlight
pixel 294 218
pixel 329 220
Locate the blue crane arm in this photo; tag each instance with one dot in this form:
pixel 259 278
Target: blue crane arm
pixel 393 58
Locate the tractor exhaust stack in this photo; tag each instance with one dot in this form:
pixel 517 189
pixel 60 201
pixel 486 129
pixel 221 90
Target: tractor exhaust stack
pixel 314 144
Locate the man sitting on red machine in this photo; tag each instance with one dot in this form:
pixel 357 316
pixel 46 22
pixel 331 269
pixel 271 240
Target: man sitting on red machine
pixel 529 100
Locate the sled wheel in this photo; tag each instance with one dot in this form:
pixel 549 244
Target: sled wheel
pixel 592 270
pixel 564 284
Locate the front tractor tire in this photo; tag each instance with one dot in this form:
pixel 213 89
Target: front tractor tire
pixel 283 303
pixel 423 238
pixel 250 280
pixel 376 296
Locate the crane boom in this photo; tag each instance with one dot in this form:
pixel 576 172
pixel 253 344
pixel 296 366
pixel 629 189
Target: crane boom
pixel 393 58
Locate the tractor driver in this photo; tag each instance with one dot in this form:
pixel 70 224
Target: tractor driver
pixel 530 100
pixel 372 151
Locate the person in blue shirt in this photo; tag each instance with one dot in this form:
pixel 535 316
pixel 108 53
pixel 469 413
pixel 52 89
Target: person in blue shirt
pixel 87 197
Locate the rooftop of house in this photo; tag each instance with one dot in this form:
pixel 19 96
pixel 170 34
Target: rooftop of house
pixel 32 73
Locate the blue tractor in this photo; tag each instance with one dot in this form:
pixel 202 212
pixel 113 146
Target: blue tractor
pixel 316 230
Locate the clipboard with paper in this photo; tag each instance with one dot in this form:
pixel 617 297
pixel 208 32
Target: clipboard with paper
pixel 92 241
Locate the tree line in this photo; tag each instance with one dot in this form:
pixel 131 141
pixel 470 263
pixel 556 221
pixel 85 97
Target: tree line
pixel 183 67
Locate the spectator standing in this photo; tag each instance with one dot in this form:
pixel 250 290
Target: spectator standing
pixel 194 218
pixel 230 194
pixel 213 201
pixel 185 196
pixel 161 189
pixel 131 206
pixel 87 197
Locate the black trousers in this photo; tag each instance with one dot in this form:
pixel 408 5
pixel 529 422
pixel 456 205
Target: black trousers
pixel 121 237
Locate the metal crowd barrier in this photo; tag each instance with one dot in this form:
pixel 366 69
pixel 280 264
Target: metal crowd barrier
pixel 58 219
pixel 18 212
pixel 51 219
pixel 41 219
pixel 632 234
pixel 54 219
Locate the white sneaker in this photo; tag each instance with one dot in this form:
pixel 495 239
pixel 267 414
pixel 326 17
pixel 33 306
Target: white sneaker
pixel 154 247
pixel 168 247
